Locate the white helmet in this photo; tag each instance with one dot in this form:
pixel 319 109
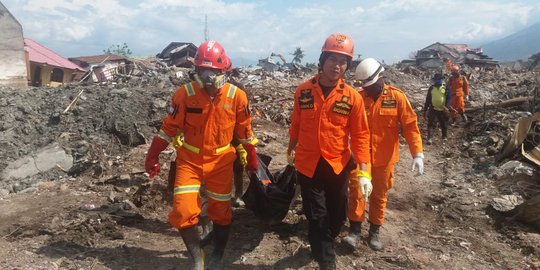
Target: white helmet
pixel 368 71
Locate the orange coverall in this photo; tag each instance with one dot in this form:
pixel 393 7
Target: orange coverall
pixel 386 115
pixel 460 89
pixel 323 126
pixel 206 154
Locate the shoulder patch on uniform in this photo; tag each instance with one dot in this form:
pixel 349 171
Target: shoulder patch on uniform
pixel 231 91
pixel 395 89
pixel 306 99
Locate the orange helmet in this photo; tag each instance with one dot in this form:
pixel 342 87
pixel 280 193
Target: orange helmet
pixel 339 43
pixel 211 54
pixel 455 68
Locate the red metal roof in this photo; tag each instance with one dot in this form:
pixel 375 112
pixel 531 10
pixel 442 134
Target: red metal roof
pixel 39 54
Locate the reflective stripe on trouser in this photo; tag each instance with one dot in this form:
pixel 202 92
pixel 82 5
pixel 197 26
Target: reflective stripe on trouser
pixel 382 181
pixel 187 203
pixel 458 104
pixel 197 150
pixel 324 201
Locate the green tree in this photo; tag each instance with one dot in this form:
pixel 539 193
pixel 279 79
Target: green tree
pixel 298 55
pixel 117 49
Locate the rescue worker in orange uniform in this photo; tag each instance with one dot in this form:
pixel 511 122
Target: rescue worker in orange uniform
pixel 327 111
pixel 460 92
pixel 388 110
pixel 209 112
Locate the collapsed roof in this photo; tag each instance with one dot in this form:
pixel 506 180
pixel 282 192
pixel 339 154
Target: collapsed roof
pixel 434 55
pixel 180 54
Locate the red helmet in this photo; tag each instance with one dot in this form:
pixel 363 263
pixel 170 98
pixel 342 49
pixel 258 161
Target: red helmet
pixel 211 55
pixel 455 68
pixel 228 64
pixel 339 43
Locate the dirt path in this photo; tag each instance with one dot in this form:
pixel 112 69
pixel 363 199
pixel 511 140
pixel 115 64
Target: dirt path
pixel 440 220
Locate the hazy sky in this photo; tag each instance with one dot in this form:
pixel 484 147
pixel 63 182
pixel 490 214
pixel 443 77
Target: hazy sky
pixel 250 30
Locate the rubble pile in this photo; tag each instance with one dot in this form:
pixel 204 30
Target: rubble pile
pixel 97 124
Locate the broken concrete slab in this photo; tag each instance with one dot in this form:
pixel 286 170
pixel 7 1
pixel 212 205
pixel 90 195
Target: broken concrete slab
pixel 45 159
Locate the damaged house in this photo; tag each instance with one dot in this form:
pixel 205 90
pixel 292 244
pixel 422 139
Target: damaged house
pixel 47 68
pixel 105 67
pixel 180 54
pixel 437 54
pixel 13 68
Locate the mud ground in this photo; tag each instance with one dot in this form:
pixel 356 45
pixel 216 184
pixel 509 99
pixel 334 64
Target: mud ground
pixel 104 214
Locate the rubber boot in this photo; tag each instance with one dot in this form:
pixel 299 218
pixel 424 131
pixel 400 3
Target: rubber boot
pixel 221 236
pixel 191 240
pixel 465 118
pixel 353 239
pixel 207 230
pixel 327 265
pixel 374 240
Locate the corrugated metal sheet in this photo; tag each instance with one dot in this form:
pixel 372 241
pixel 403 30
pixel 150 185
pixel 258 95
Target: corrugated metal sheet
pixel 95 59
pixel 39 54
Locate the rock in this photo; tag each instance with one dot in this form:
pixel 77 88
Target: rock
pixel 450 183
pixel 29 190
pixel 514 167
pixel 506 202
pixel 4 193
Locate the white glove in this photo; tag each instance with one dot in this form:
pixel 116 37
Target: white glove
pixel 365 186
pixel 418 162
pixel 467 98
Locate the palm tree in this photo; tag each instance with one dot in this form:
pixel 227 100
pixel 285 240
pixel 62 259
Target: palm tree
pixel 298 55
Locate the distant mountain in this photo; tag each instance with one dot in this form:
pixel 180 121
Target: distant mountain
pixel 520 45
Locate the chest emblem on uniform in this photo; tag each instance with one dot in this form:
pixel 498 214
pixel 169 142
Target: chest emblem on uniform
pixel 226 106
pixel 306 99
pixel 342 107
pixel 389 103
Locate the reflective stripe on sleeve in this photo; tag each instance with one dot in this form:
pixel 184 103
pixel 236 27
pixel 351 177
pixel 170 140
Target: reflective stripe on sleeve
pixel 164 136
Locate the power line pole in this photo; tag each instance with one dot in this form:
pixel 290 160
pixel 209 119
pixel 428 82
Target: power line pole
pixel 206 27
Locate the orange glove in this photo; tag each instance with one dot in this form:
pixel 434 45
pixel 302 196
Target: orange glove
pixel 151 164
pixel 252 163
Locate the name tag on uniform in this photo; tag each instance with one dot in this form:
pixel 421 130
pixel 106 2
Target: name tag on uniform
pixel 342 108
pixel 194 110
pixel 389 103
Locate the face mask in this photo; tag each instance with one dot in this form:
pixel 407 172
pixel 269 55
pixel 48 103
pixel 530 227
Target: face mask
pixel 209 78
pixel 375 89
pixel 438 82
